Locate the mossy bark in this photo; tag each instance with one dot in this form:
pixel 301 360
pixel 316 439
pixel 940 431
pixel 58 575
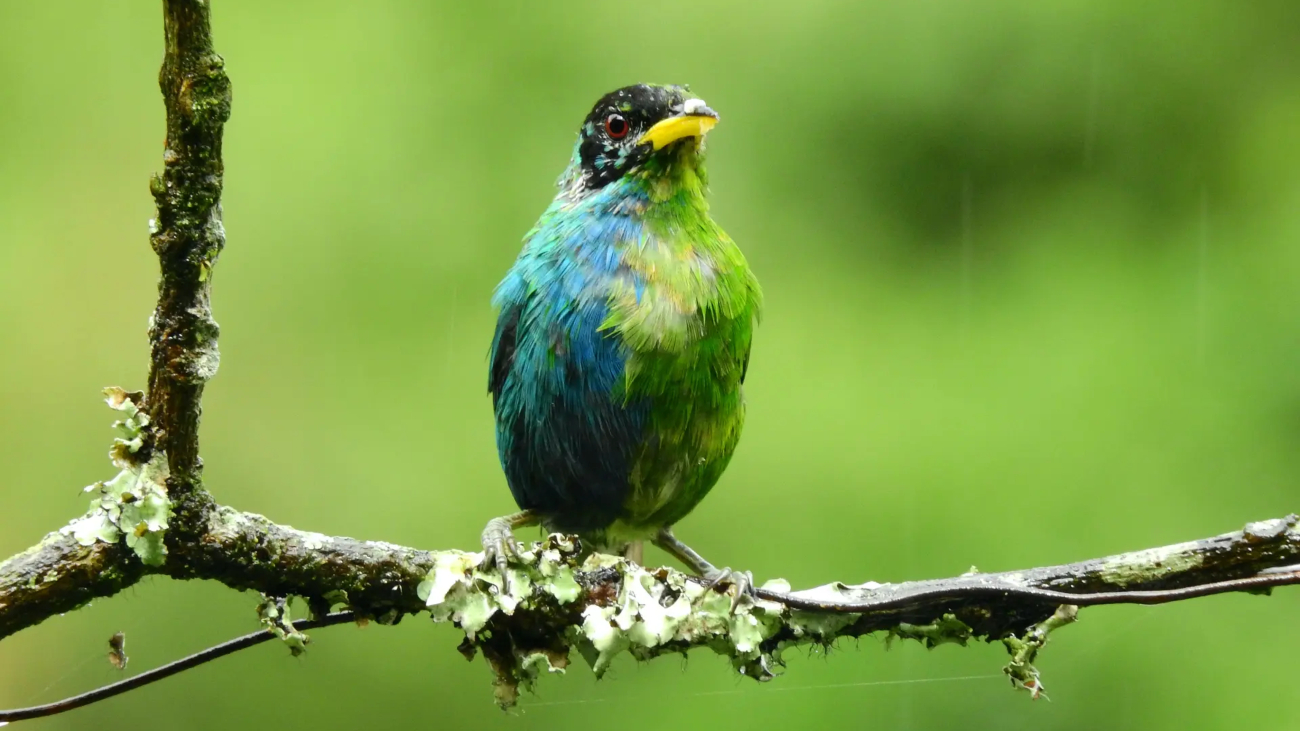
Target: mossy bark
pixel 59 575
pixel 187 237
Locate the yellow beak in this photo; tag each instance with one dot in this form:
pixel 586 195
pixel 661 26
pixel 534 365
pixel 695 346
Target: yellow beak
pixel 695 120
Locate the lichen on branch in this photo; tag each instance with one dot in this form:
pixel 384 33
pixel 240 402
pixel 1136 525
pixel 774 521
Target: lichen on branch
pixel 133 507
pixel 559 600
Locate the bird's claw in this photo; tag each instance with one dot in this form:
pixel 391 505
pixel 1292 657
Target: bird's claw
pixel 742 580
pixel 499 548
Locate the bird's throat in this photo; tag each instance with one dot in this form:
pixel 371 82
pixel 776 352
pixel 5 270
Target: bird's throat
pixel 676 176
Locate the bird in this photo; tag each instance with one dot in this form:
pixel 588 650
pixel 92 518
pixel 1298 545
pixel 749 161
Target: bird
pixel 622 340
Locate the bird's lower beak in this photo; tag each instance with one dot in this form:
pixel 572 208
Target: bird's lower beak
pixel 695 120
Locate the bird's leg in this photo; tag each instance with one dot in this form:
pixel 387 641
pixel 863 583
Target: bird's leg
pixel 635 552
pixel 499 545
pixel 742 580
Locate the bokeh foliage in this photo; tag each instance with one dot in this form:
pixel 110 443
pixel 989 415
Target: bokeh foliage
pixel 1033 284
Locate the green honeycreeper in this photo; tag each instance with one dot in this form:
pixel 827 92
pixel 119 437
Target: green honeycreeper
pixel 623 339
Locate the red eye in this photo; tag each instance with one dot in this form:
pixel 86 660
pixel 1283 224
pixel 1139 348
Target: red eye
pixel 616 126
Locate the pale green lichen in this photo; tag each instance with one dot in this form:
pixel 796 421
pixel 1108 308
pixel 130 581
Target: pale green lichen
pixel 133 506
pixel 273 613
pixel 821 626
pixel 607 638
pixel 450 594
pixel 947 629
pixel 1024 650
pixel 646 612
pixel 1265 531
pixel 311 540
pixel 656 608
pixel 558 577
pixel 336 597
pixel 538 661
pixel 1139 567
pixel 603 606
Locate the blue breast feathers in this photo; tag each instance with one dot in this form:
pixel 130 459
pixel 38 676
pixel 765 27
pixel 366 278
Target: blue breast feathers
pixel 566 434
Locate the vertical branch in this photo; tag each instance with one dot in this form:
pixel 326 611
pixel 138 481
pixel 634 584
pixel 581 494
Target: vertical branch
pixel 187 236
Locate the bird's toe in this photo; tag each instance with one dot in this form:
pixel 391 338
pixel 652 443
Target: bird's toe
pixel 725 578
pixel 499 546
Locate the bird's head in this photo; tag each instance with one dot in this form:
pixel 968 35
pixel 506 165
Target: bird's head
pixel 639 130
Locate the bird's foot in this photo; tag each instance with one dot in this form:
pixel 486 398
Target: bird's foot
pixel 724 578
pixel 714 577
pixel 500 546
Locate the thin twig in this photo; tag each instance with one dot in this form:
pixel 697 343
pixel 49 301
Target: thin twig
pixel 166 671
pixel 1260 582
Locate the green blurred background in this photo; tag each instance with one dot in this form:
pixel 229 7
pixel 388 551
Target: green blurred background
pixel 1031 273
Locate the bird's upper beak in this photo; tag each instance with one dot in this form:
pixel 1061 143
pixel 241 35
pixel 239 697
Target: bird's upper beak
pixel 694 120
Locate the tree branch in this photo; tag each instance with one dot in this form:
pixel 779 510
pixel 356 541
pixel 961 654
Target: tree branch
pixel 187 236
pixel 561 599
pixel 164 671
pixel 154 517
pixel 59 575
